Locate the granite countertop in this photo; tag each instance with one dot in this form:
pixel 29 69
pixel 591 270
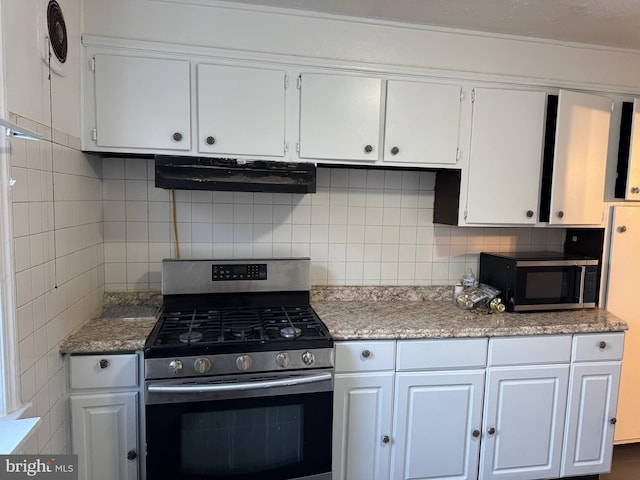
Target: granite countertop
pixel 367 313
pixel 123 326
pixel 351 313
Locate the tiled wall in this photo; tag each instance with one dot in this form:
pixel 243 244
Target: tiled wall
pixel 59 264
pixel 362 227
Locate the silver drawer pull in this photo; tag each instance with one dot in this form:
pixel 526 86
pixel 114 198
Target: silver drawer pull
pixel 366 354
pixel 103 363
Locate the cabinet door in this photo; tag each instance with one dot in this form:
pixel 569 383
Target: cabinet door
pixel 580 156
pixel 593 394
pixel 103 429
pixel 523 422
pixel 437 425
pixel 241 111
pixel 422 122
pixel 340 117
pixel 506 156
pixel 622 291
pixel 142 103
pixel 362 425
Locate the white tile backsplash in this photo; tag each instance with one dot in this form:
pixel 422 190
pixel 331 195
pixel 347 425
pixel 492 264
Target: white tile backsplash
pixel 361 227
pixel 59 262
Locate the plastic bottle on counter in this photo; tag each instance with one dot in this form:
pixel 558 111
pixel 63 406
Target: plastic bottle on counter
pixel 468 279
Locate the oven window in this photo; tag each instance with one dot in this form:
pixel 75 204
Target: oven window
pixel 274 437
pixel 241 441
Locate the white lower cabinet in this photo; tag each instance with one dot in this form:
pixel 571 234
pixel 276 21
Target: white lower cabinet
pixel 525 404
pixel 363 408
pixel 437 424
pixel 524 422
pixel 592 404
pixel 104 416
pixel 516 408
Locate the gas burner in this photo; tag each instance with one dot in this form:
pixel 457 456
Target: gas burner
pixel 244 332
pixel 190 337
pixel 290 332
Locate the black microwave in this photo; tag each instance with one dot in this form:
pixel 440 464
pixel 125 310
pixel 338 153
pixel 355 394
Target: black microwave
pixel 536 281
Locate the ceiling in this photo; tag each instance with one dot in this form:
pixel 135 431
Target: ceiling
pixel 613 23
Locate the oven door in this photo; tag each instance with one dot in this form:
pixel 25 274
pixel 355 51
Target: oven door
pixel 251 426
pixel 548 285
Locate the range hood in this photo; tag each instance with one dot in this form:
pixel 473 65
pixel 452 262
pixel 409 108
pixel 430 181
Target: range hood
pixel 202 173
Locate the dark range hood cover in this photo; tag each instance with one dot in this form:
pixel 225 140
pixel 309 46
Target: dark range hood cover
pixel 202 173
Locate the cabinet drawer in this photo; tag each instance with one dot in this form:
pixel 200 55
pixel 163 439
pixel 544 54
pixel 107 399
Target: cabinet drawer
pixel 598 346
pixel 365 356
pixel 95 371
pixel 441 353
pixel 530 350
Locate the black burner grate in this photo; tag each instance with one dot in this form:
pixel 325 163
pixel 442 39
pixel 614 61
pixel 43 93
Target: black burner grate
pixel 237 325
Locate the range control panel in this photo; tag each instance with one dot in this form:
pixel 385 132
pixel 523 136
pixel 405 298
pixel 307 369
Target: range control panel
pixel 253 271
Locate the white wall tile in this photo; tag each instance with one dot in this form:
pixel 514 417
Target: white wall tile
pixel 361 227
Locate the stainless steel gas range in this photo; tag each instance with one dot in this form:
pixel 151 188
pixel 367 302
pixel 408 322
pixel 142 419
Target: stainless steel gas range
pixel 238 374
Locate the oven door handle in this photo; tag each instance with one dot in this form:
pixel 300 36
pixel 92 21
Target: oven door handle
pixel 231 387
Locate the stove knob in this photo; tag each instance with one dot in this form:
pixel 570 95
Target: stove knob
pixel 202 365
pixel 283 360
pixel 243 362
pixel 175 366
pixel 308 358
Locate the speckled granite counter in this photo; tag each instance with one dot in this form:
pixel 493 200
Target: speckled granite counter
pixel 352 313
pixel 428 312
pixel 123 326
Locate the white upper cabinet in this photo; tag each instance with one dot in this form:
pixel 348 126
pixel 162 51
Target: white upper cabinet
pixel 340 117
pixel 422 122
pixel 580 155
pixel 346 118
pixel 505 164
pixel 141 103
pixel 241 110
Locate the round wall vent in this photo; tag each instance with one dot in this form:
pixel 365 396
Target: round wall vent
pixel 57 30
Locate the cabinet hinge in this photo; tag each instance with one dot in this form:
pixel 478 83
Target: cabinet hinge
pixel 299 84
pixel 473 95
pixel 286 147
pixel 461 95
pixel 286 82
pixel 94 134
pixel 457 155
pixel 92 64
pixel 612 107
pixel 465 213
pixel 298 147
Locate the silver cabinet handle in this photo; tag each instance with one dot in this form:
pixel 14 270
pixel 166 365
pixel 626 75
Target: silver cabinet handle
pixel 622 229
pixel 366 353
pixel 177 136
pixel 368 149
pixel 104 363
pixel 386 439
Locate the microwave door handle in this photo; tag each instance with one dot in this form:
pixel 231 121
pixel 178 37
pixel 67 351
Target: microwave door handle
pixel 230 387
pixel 582 274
